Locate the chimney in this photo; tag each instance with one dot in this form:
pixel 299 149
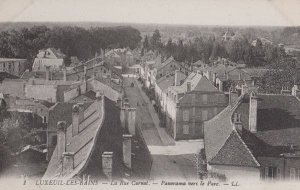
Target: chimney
pixel 99 95
pixel 47 72
pixel 214 78
pixel 81 111
pixel 131 120
pixel 124 117
pixel 127 150
pixel 61 138
pixel 64 74
pixel 233 96
pixel 119 102
pixel 68 162
pixel 296 90
pixel 253 112
pixel 75 119
pixel 177 79
pixel 188 86
pixel 238 123
pixel 84 71
pixel 220 86
pixel 107 164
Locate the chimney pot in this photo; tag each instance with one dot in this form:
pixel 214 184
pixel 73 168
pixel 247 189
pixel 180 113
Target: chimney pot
pixel 68 162
pixel 253 103
pixel 107 164
pixel 77 117
pixel 61 138
pixel 127 150
pixel 188 86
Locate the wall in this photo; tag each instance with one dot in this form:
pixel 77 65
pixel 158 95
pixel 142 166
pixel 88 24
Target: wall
pixel 70 94
pixel 41 92
pixel 13 87
pixel 193 103
pixel 107 90
pixel 237 173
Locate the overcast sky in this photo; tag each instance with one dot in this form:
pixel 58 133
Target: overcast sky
pixel 199 12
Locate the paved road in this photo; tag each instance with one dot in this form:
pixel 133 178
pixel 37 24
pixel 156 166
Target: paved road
pixel 171 160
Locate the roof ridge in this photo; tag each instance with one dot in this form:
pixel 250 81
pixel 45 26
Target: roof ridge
pixel 238 135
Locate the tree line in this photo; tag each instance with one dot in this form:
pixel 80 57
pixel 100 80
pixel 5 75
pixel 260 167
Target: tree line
pixel 210 48
pixel 72 41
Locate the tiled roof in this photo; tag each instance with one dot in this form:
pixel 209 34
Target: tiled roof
pixel 57 53
pixel 278 126
pixel 159 66
pixel 4 75
pixel 89 96
pixel 42 75
pixel 11 59
pixel 81 144
pixel 216 132
pixel 46 103
pixel 62 111
pixel 235 153
pixel 278 119
pixel 169 80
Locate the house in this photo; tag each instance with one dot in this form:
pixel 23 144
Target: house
pixel 162 85
pixel 190 104
pixel 13 66
pixel 51 57
pixel 38 107
pixel 60 111
pixel 255 137
pixel 95 143
pixel 31 154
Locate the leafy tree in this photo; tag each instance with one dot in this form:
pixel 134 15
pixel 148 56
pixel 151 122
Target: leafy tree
pixel 155 40
pixel 281 73
pixel 146 44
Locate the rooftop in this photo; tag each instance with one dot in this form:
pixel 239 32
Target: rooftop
pixel 10 59
pixel 278 127
pixel 82 144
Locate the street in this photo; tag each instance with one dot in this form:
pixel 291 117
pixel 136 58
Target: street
pixel 171 160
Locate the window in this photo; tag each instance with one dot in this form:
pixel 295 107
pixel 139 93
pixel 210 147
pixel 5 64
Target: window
pixel 204 115
pixel 292 173
pixel 186 115
pixel 44 119
pixel 186 129
pixel 298 176
pixel 278 173
pixel 271 173
pixel 204 98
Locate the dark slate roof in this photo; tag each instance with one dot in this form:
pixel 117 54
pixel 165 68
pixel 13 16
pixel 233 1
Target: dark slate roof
pixel 82 144
pixel 62 111
pixel 4 75
pixel 235 153
pixel 89 96
pixel 46 103
pixel 278 126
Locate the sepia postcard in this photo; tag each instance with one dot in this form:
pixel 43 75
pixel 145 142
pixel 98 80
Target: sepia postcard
pixel 149 94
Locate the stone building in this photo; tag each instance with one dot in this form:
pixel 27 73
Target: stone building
pixel 13 66
pixel 190 104
pixel 50 57
pixel 257 137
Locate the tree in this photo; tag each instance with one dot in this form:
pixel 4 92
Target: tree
pixel 155 40
pixel 281 73
pixel 146 44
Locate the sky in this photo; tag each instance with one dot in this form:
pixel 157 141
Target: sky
pixel 190 12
